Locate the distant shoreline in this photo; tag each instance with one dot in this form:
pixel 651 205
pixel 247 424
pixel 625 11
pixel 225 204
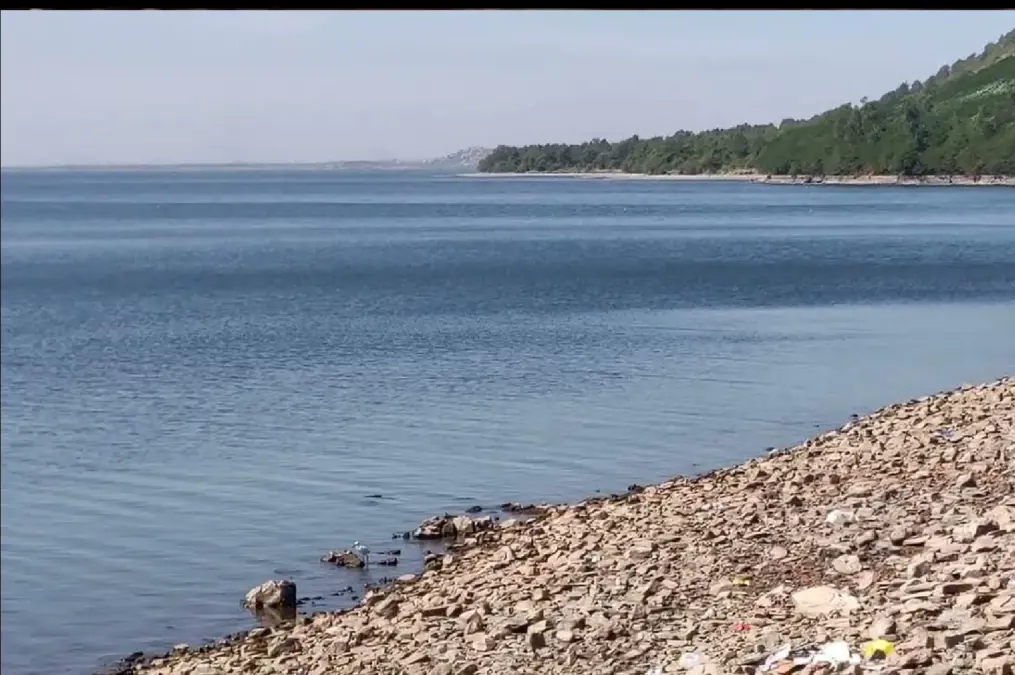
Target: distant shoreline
pixel 873 180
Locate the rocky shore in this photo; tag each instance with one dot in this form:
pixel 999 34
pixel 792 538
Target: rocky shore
pixel 928 181
pixel 886 546
pixel 772 179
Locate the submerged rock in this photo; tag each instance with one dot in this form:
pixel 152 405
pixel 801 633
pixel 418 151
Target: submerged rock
pixel 450 527
pixel 274 594
pixel 344 558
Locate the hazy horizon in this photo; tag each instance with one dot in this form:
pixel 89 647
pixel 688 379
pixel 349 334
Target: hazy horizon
pixel 105 88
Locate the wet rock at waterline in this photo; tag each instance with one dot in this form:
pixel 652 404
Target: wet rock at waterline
pixel 450 527
pixel 343 559
pixel 274 594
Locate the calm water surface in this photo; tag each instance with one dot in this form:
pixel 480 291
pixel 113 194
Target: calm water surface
pixel 204 374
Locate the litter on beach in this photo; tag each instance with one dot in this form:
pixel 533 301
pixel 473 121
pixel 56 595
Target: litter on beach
pixel 690 660
pixel 877 649
pixel 835 654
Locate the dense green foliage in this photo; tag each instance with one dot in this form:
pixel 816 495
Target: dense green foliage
pixel 960 121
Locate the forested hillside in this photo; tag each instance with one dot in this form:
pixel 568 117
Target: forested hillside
pixel 959 121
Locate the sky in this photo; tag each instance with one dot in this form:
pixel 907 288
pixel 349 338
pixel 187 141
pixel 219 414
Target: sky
pixel 101 87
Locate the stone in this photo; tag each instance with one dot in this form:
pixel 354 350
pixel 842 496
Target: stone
pixel 343 559
pixel 864 580
pixel 969 531
pixel 483 643
pixel 983 544
pixel 284 646
pixel 820 601
pixel 997 665
pixel 919 566
pixel 881 627
pixel 847 564
pixel 388 607
pixel 953 588
pixel 278 593
pixel 416 657
pixel 721 588
pixel 778 553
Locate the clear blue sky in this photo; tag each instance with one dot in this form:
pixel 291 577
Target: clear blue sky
pixel 153 87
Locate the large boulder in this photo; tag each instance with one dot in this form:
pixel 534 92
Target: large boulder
pixel 274 594
pixel 449 527
pixel 344 558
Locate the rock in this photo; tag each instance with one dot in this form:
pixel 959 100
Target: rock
pixel 449 527
pixel 820 601
pixel 415 657
pixel 918 567
pixel 483 643
pixel 388 607
pixel 1002 517
pixel 847 564
pixel 343 559
pixel 273 594
pixel 898 535
pixel 966 480
pixel 969 531
pixel 840 517
pixel 881 627
pixel 471 622
pixel 997 665
pixel 983 544
pixel 284 646
pixel 721 588
pixel 536 639
pixel 953 588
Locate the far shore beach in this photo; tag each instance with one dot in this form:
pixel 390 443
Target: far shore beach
pixel 929 181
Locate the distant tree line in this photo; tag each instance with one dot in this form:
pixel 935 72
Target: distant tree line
pixel 960 121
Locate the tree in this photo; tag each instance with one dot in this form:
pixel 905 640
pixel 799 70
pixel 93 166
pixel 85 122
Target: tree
pixel 960 120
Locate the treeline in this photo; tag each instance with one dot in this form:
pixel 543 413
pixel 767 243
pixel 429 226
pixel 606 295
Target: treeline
pixel 960 121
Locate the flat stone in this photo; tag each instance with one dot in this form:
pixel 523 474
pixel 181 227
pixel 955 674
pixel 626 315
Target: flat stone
pixel 824 601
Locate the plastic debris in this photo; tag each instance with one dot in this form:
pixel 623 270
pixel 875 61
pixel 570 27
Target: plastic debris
pixel 775 658
pixel 836 654
pixel 741 581
pixel 877 648
pixel 741 626
pixel 690 660
pixel 655 670
pixel 840 517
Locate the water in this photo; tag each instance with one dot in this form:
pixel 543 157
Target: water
pixel 204 374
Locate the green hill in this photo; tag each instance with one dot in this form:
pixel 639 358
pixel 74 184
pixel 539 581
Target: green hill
pixel 959 121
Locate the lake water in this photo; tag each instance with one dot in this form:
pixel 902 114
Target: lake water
pixel 204 374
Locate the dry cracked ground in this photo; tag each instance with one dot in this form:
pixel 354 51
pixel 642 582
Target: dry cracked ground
pixel 898 526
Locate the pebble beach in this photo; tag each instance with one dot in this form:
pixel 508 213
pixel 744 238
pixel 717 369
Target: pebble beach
pixel 884 546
